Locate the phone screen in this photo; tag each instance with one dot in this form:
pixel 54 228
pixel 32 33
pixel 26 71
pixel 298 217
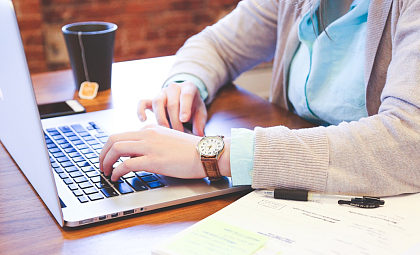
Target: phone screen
pixel 60 109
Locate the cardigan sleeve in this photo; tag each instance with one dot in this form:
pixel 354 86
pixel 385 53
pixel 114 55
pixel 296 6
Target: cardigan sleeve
pixel 378 155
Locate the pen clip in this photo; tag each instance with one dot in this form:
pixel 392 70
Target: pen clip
pixel 364 202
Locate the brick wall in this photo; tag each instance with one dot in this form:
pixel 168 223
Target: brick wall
pixel 146 28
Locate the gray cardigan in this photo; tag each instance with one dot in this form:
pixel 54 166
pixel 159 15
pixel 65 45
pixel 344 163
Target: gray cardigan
pixel 378 155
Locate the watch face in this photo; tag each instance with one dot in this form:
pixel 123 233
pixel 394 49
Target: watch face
pixel 210 145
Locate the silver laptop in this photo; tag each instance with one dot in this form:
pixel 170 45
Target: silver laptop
pixel 59 155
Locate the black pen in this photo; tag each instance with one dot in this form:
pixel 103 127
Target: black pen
pixel 305 195
pixel 292 194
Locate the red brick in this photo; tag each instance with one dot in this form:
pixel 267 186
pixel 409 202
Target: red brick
pixel 187 5
pixel 147 6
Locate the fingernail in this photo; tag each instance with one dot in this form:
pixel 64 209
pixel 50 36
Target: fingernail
pixel 141 117
pixel 184 117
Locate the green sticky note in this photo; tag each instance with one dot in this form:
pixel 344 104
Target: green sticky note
pixel 216 237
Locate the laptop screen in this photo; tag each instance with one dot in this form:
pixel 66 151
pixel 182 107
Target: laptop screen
pixel 20 129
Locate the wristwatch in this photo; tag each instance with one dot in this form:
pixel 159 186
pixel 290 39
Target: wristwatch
pixel 210 148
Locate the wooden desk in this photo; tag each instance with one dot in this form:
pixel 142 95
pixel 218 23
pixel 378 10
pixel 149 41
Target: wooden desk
pixel 27 227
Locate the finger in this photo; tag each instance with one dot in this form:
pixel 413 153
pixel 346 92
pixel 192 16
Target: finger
pixel 128 136
pixel 159 108
pixel 188 92
pixel 130 165
pixel 172 106
pixel 121 149
pixel 199 121
pixel 142 107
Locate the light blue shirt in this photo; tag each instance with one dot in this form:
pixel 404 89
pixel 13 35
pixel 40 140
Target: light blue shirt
pixel 326 83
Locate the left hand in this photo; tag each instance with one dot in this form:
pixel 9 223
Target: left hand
pixel 153 149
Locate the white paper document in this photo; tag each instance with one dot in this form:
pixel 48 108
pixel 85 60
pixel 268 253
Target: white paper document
pixel 292 227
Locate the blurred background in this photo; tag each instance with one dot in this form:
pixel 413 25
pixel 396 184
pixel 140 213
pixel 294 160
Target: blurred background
pixel 146 28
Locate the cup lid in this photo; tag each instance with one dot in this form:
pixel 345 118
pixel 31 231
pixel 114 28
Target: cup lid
pixel 89 27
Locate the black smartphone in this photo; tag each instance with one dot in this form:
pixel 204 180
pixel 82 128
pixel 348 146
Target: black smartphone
pixel 67 107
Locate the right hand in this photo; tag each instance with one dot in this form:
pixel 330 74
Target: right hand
pixel 176 104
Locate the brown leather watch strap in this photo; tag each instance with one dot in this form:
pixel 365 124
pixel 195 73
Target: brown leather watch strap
pixel 212 169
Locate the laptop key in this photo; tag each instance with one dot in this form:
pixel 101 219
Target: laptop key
pixel 58 170
pixel 73 138
pixel 74 154
pixel 51 130
pixel 95 196
pixel 97 179
pixel 149 178
pixel 83 199
pixel 92 142
pixel 70 169
pixel 88 138
pixel 83 164
pixel 68 181
pixel 101 135
pixel 54 150
pixel 80 179
pixel 63 175
pixel 83 134
pixel 142 173
pixel 94 160
pixel 62 159
pixel 70 150
pixel 91 155
pixel 58 154
pixel 78 142
pixel 61 141
pixel 78 159
pixel 129 175
pixel 69 133
pixel 86 151
pixel 78 128
pixel 109 192
pixel 75 174
pixel 103 139
pixel 90 190
pixel 85 185
pixel 88 169
pixel 65 129
pixel 92 174
pixel 73 187
pixel 82 147
pixel 136 184
pixel 51 146
pixel 155 184
pixel 77 192
pixel 122 187
pixel 66 145
pixel 101 185
pixel 57 137
pixel 97 147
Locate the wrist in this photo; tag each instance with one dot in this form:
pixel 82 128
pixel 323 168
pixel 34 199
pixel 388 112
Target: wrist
pixel 214 154
pixel 224 159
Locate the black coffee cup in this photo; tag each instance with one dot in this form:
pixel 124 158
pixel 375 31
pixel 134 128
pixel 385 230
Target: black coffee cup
pixel 91 50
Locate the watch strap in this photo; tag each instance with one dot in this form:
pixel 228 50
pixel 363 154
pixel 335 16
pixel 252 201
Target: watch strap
pixel 211 168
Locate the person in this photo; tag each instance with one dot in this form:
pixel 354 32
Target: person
pixel 350 66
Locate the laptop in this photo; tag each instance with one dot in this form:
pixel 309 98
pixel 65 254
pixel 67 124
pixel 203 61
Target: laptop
pixel 59 155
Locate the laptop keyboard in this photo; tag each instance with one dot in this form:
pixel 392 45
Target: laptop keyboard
pixel 74 155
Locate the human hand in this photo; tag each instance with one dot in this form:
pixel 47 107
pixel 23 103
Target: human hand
pixel 159 150
pixel 176 104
